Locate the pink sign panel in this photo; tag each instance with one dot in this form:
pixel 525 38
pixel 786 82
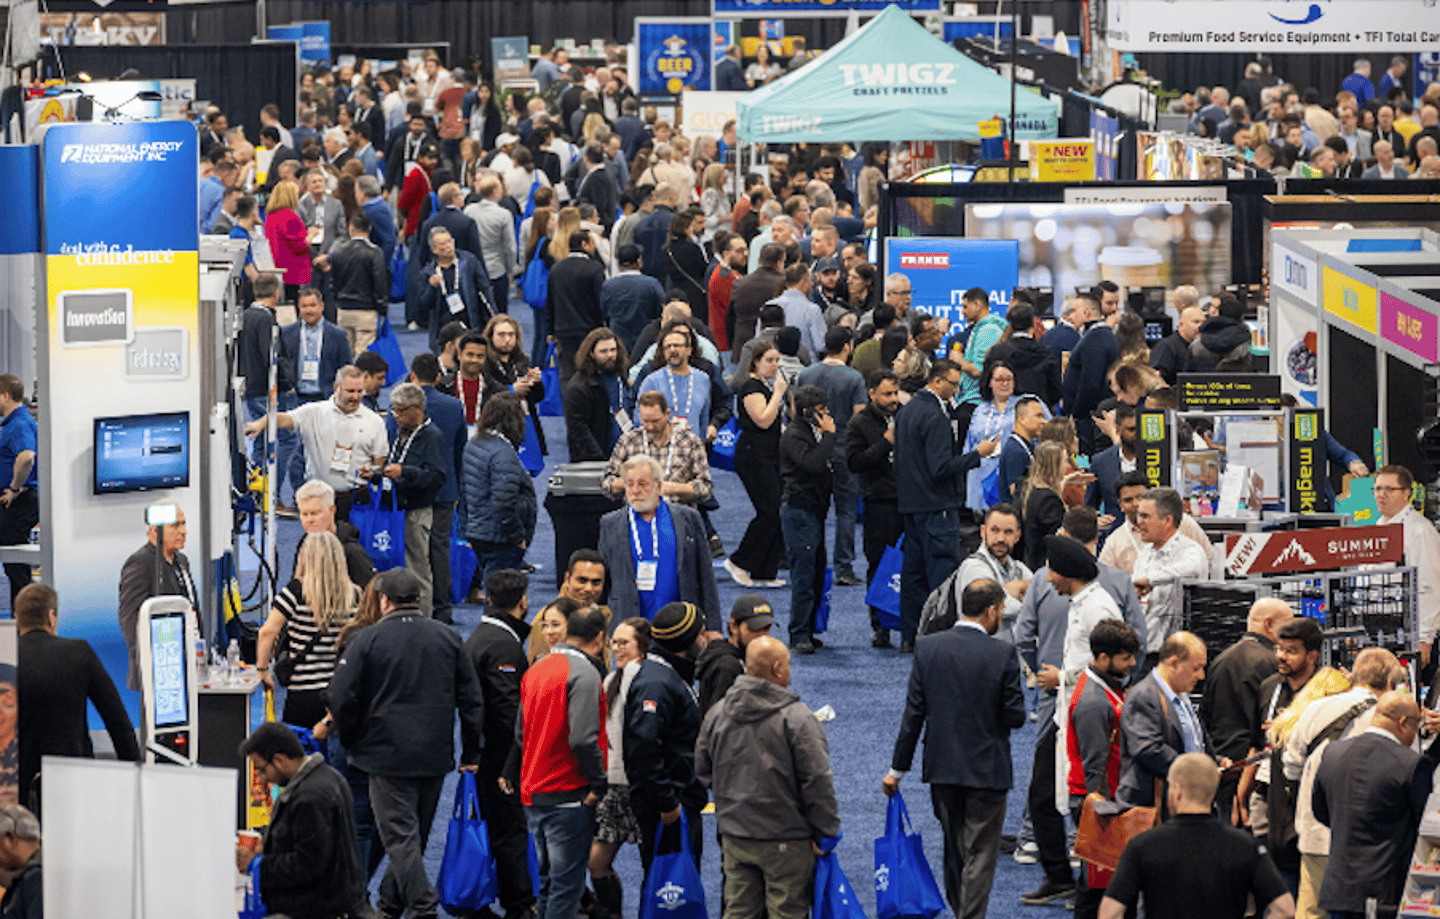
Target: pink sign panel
pixel 1409 327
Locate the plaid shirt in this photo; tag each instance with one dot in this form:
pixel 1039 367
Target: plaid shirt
pixel 683 458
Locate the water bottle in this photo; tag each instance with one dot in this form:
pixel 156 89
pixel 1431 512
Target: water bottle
pixel 202 661
pixel 232 660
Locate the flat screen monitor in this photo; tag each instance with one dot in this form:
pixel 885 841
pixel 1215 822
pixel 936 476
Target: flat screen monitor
pixel 167 669
pixel 142 452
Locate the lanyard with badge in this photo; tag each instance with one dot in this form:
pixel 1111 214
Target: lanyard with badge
pixel 405 447
pixel 617 408
pixel 646 569
pixel 412 150
pixel 452 297
pixel 689 394
pixel 310 364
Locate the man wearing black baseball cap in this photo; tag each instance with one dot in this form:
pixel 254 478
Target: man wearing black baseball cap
pixel 405 748
pixel 661 725
pixel 722 661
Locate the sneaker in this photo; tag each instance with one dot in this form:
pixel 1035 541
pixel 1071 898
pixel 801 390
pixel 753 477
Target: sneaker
pixel 717 548
pixel 907 647
pixel 881 639
pixel 815 640
pixel 803 647
pixel 771 583
pixel 739 575
pixel 413 326
pixel 848 579
pixel 1028 854
pixel 1048 892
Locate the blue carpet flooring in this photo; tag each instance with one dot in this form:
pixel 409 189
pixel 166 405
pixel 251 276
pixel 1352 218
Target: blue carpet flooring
pixel 866 687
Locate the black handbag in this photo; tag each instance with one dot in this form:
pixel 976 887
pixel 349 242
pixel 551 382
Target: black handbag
pixel 285 659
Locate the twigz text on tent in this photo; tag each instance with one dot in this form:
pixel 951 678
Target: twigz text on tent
pixel 155 151
pixel 898 78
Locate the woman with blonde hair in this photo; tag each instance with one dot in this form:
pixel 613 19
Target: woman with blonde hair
pixel 288 236
pixel 312 609
pixel 1040 503
pixel 567 222
pixel 715 200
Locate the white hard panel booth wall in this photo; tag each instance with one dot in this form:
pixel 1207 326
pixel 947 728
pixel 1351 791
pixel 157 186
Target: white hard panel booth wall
pixel 1355 331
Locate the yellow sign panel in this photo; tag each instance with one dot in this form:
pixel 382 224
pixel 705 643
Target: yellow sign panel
pixel 1349 299
pixel 1062 161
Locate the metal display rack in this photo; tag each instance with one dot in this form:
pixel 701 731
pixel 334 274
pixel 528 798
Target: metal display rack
pixel 1357 609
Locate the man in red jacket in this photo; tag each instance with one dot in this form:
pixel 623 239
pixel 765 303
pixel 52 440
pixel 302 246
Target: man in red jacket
pixel 561 739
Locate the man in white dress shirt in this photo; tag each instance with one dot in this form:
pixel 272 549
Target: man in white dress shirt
pixel 1164 562
pixel 1422 548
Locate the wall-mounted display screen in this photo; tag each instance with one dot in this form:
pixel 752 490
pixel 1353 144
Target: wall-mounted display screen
pixel 142 452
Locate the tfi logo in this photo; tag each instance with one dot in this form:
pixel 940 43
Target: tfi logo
pixel 1314 12
pixel 924 260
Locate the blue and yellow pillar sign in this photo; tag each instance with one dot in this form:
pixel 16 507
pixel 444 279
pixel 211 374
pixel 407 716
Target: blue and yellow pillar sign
pixel 118 336
pixel 674 55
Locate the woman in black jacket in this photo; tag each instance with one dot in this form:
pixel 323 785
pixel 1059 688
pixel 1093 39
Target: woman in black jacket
pixel 1041 505
pixel 685 260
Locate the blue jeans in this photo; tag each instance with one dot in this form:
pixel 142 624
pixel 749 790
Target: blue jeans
pixel 541 342
pixel 805 550
pixel 563 833
pixel 932 552
pixel 844 485
pixel 490 557
pixel 286 442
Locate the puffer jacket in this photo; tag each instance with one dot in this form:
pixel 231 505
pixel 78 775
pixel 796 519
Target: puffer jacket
pixel 499 493
pixel 661 723
pixel 1224 344
pixel 766 759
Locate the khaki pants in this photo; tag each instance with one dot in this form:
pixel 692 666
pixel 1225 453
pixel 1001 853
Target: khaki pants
pixel 360 326
pixel 1312 874
pixel 768 880
pixel 417 552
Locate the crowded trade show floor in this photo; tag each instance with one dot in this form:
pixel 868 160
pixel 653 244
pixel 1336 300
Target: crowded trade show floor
pixel 864 686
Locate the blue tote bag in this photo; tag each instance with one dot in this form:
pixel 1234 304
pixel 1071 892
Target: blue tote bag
pixel 673 890
pixel 381 524
pixel 722 452
pixel 530 456
pixel 834 897
pixel 535 282
pixel 467 879
pixel 462 568
pixel 253 907
pixel 553 405
pixel 822 609
pixel 904 886
pixel 399 272
pixel 884 591
pixel 387 345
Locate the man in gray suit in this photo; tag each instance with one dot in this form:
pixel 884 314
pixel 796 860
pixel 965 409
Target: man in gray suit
pixel 1159 723
pixel 965 694
pixel 656 551
pixel 1385 166
pixel 319 209
pixel 1355 137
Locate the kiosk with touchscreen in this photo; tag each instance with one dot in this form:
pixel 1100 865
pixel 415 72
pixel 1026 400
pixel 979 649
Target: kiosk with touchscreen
pixel 168 688
pixel 167 643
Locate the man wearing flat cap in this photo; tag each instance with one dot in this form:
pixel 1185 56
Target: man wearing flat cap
pixel 723 662
pixel 661 725
pixel 394 697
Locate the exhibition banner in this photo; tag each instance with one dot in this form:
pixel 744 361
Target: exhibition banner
pixel 1307 460
pixel 794 9
pixel 119 332
pixel 722 36
pixel 705 113
pixel 674 55
pixel 1349 299
pixel 510 57
pixel 1228 392
pixel 941 269
pixel 1155 447
pixel 1410 327
pixel 1285 26
pixel 1327 549
pixel 1062 160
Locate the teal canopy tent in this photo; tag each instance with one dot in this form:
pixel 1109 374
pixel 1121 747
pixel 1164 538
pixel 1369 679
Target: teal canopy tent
pixel 890 80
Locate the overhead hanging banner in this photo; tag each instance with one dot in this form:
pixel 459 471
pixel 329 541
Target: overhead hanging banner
pixel 790 9
pixel 1286 26
pixel 674 55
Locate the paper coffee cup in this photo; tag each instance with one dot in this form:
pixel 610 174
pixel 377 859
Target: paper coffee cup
pixel 248 840
pixel 1131 266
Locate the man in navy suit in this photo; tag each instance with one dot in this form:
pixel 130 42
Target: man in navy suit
pixel 965 694
pixel 1370 791
pixel 448 414
pixel 1108 465
pixel 382 220
pixel 317 348
pixel 463 229
pixel 454 285
pixel 1074 316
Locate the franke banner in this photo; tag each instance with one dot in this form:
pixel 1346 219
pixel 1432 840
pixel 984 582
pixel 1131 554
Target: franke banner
pixel 1314 550
pixel 1295 26
pixel 941 269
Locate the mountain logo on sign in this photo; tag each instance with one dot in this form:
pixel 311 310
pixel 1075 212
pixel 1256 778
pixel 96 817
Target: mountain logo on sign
pixel 1295 553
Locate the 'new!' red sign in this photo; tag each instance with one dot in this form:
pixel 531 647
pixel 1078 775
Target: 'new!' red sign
pixel 1314 550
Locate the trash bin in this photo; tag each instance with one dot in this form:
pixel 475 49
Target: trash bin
pixel 576 503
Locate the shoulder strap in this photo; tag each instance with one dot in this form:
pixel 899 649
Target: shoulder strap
pixel 1339 726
